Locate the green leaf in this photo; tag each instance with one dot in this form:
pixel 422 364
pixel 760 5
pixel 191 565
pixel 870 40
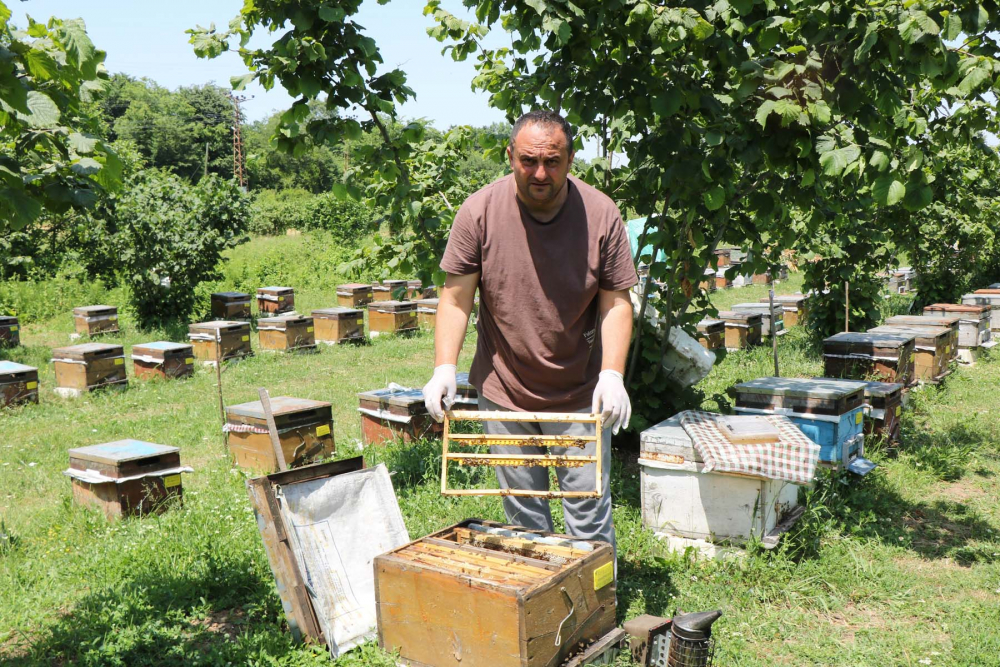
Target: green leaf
pixel 666 103
pixel 926 23
pixel 742 7
pixel 820 112
pixel 240 82
pixel 82 144
pixel 702 29
pixel 560 28
pixel 764 111
pixel 871 36
pixel 40 65
pixel 332 14
pixel 42 111
pixel 641 14
pixel 910 31
pixel 539 6
pixel 888 190
pixel 879 160
pixel 918 196
pixel 87 166
pixel 714 197
pixel 72 34
pixel 339 191
pixel 974 80
pixel 808 178
pixel 952 27
pixel 713 138
pixel 834 162
pixel 20 207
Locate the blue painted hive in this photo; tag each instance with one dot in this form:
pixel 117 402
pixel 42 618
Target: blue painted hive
pixel 829 412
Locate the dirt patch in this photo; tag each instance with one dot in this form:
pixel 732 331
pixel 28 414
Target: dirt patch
pixel 228 622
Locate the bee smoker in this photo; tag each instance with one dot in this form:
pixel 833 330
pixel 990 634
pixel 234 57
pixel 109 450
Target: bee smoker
pixel 691 642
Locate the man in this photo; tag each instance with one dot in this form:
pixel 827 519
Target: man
pixel 552 262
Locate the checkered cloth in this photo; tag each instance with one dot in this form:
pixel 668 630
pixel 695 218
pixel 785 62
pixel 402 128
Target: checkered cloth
pixel 793 458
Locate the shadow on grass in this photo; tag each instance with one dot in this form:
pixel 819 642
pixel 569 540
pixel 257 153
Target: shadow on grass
pixel 218 615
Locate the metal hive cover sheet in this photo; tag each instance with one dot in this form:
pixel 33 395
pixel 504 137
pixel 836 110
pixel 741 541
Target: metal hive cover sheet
pixel 274 289
pixel 401 396
pixel 232 296
pixel 982 299
pixel 284 320
pixel 918 332
pixel 708 324
pixel 120 451
pixel 94 310
pixel 280 405
pixel 879 339
pixel 762 308
pixel 393 306
pixel 162 346
pixel 735 316
pixel 218 325
pixel 11 367
pixel 80 352
pixel 341 311
pixel 338 526
pixel 7 319
pixel 800 387
pixel 354 286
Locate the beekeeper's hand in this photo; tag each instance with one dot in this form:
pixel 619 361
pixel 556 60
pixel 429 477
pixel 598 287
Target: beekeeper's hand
pixel 441 388
pixel 611 400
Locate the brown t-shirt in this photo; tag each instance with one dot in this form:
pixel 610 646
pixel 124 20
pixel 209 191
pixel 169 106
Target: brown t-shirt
pixel 538 344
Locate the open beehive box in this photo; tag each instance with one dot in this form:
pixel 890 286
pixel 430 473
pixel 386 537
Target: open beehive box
pixel 481 594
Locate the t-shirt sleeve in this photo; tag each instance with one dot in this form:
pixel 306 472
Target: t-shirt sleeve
pixel 617 270
pixel 464 252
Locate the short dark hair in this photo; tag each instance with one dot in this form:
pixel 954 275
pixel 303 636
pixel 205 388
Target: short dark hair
pixel 543 117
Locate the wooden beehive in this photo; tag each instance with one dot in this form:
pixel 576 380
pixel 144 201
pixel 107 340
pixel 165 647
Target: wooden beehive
pixel 90 366
pixel 680 502
pixel 392 414
pixel 712 334
pixel 126 477
pixel 380 292
pixel 397 290
pixel 764 310
pixel 926 321
pixel 305 431
pixel 339 325
pixel 427 312
pixel 829 412
pixel 992 301
pixel 94 320
pixel 742 329
pixel 163 359
pixel 275 300
pixel 885 406
pixel 762 278
pixel 988 290
pixel 287 333
pixel 18 384
pixel 931 349
pixel 722 281
pixel 231 338
pixel 707 283
pixel 722 256
pixel 870 356
pixel 793 306
pixel 231 306
pixel 386 317
pixel 10 331
pixel 480 594
pixel 352 295
pixel 973 327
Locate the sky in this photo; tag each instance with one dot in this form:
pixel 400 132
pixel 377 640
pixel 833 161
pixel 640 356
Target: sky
pixel 144 38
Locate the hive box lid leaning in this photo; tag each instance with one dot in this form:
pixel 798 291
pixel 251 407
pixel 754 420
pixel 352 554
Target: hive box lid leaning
pixel 88 311
pixel 120 451
pixel 280 405
pixel 281 321
pixel 393 306
pixel 86 351
pixel 12 368
pixel 232 296
pixel 338 312
pixel 708 325
pixel 335 518
pixel 879 339
pixel 824 388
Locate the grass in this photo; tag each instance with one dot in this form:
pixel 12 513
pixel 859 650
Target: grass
pixel 900 568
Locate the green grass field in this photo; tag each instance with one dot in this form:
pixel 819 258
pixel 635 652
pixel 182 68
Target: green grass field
pixel 900 568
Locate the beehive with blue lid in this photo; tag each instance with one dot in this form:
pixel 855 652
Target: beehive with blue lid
pixel 830 412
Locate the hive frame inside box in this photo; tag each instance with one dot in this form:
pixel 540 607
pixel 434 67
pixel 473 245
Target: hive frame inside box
pixel 514 460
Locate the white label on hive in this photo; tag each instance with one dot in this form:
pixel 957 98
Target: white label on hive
pixel 171 481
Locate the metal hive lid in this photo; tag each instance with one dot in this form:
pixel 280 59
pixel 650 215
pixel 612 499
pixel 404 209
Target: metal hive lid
pixel 762 308
pixel 232 295
pixel 162 346
pixel 338 310
pixel 981 299
pixel 280 405
pixel 915 331
pixel 11 367
pixel 392 305
pixel 739 316
pixel 285 319
pixel 84 350
pixel 8 319
pixel 826 388
pixel 273 289
pixel 92 310
pixel 922 320
pixel 354 286
pixel 403 396
pixel 220 324
pixel 121 451
pixel 958 307
pixel 709 323
pixel 427 302
pixel 881 339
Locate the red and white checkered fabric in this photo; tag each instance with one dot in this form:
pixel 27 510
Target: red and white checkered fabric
pixel 793 458
pixel 243 428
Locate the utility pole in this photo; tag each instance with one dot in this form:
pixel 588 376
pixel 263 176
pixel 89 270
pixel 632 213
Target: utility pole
pixel 204 172
pixel 239 159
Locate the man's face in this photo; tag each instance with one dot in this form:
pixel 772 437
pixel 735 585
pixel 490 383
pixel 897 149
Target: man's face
pixel 540 158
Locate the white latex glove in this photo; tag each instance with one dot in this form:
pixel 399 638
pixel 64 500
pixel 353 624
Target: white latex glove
pixel 442 385
pixel 611 400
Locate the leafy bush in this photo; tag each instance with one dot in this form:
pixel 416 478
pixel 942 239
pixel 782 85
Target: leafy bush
pixel 162 236
pixel 274 212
